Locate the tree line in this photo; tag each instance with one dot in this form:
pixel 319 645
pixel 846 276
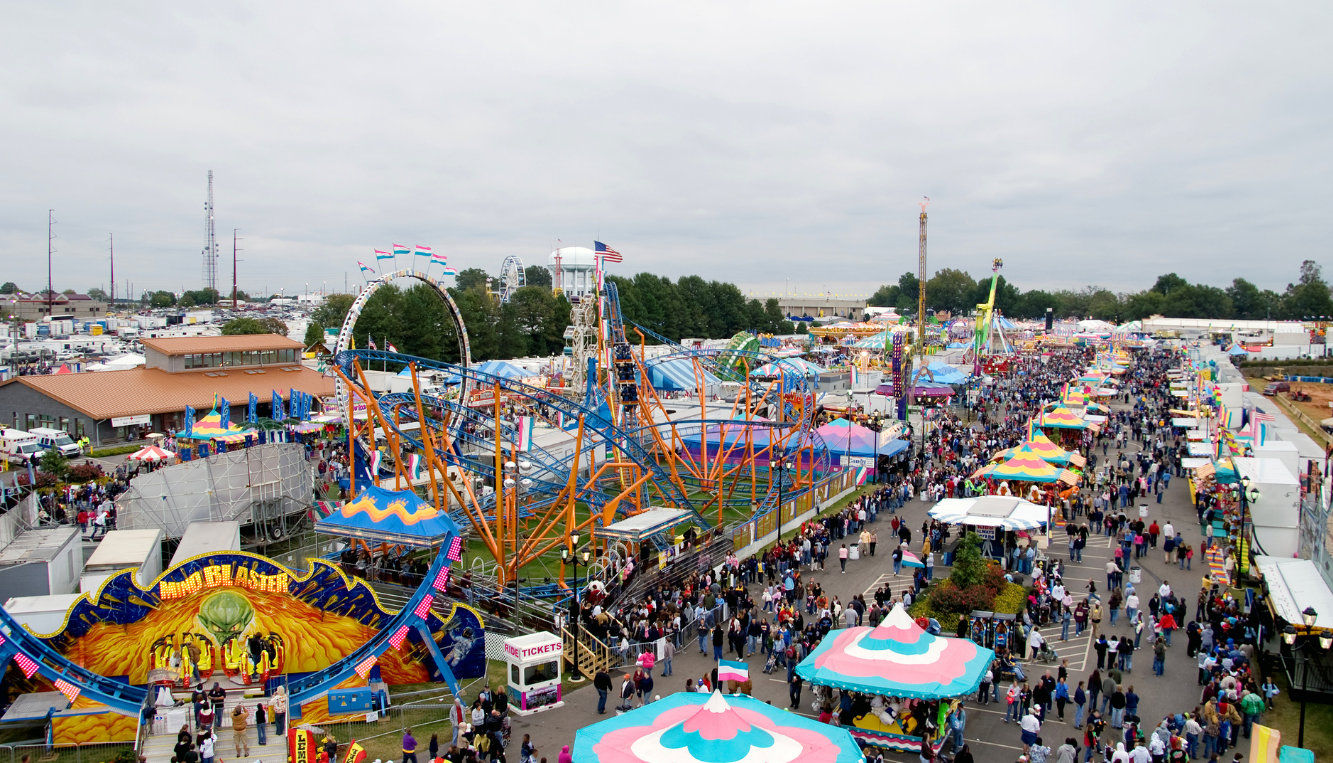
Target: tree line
pixel 1172 296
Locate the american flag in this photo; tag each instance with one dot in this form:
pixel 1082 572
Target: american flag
pixel 607 253
pixel 68 689
pixel 396 640
pixel 363 668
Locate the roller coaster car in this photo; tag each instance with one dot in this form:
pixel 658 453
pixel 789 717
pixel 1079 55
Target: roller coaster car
pixel 167 653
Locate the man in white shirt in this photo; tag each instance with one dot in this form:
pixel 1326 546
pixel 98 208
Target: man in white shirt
pixel 1031 728
pixel 1164 590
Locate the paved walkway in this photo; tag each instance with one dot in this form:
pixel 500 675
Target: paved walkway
pixel 991 739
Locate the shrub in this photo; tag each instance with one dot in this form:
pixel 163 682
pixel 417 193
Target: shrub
pixel 85 472
pixel 969 568
pixel 43 479
pixel 119 450
pixel 1011 600
pixel 948 620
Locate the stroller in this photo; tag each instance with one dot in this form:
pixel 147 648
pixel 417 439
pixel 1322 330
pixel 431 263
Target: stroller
pixel 772 663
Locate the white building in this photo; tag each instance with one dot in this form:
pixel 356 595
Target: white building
pixel 573 270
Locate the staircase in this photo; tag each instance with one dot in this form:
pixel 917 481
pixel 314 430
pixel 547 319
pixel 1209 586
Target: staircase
pixel 588 652
pixel 160 739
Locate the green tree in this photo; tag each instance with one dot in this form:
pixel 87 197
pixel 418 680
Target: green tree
pixel 471 277
pixel 162 299
pixel 537 275
pixel 314 334
pixel 53 463
pixel 801 328
pixel 1309 296
pixel 99 295
pixel 245 325
pixel 969 568
pixel 333 310
pixel 9 287
pixel 273 326
pixel 950 289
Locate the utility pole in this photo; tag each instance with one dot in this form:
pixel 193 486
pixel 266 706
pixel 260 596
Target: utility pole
pixel 112 237
pixel 50 236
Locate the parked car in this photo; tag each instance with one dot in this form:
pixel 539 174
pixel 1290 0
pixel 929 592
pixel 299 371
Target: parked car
pixel 1276 387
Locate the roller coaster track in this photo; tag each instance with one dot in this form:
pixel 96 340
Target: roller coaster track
pixel 53 666
pixel 594 422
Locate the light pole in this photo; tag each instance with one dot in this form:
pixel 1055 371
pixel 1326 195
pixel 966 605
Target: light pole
pixel 783 466
pixel 572 557
pixel 1289 635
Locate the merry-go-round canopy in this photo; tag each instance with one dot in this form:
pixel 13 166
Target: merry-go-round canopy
pixel 689 727
pixel 210 428
pixel 897 658
pixel 1061 417
pixel 389 516
pixel 1004 512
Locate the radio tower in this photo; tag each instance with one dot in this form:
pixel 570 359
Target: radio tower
pixel 210 242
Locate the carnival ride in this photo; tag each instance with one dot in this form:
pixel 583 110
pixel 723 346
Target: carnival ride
pixel 624 451
pixel 512 278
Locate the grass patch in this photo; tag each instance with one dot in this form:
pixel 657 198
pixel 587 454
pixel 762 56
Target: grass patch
pixel 1286 717
pixel 119 450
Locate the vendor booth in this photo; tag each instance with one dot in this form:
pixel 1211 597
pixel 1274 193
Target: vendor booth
pixel 534 672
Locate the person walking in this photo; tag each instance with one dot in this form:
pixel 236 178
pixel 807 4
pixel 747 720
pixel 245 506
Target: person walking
pixel 794 691
pixel 261 724
pixel 601 682
pixel 1080 701
pixel 409 746
pixel 842 558
pixel 1030 727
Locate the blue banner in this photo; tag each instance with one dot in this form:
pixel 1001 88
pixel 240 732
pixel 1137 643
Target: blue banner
pixel 224 414
pixel 279 412
pixel 189 421
pixel 251 415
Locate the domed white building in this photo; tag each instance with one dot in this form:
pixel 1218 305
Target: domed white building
pixel 573 270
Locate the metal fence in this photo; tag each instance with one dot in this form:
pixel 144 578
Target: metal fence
pixel 382 737
pixel 96 752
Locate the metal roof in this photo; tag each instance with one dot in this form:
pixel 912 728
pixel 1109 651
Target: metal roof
pixel 186 345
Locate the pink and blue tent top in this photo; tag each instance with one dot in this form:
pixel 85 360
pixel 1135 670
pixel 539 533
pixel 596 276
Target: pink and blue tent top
pixel 689 727
pixel 844 438
pixel 210 427
pixel 389 516
pixel 897 659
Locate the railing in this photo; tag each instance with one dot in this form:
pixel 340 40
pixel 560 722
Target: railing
pixel 92 752
pixel 589 653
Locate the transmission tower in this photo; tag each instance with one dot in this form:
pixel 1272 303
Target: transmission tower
pixel 921 296
pixel 210 241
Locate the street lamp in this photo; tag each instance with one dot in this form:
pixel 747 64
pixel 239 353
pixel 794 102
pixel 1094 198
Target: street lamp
pixel 1289 635
pixel 570 555
pixel 783 465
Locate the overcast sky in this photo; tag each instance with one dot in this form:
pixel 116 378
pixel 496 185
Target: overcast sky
pixel 750 142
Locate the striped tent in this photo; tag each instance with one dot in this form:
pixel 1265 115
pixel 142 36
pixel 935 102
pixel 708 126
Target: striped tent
pixel 1004 512
pixel 1022 465
pixel 1062 418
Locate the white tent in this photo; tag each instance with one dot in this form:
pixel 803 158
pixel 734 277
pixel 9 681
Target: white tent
pixel 1005 512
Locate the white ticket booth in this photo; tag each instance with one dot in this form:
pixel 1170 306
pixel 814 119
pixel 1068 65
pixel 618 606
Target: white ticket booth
pixel 534 672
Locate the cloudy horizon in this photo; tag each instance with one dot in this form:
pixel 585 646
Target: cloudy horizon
pixel 773 145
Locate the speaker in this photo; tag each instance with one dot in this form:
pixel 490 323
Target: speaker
pixel 1050 319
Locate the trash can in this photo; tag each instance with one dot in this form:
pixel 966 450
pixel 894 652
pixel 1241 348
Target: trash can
pixel 1136 575
pixel 853 552
pixel 1143 511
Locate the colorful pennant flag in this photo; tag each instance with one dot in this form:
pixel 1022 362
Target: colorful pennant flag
pixel 728 670
pixel 364 268
pixel 422 251
pixel 382 256
pixel 524 433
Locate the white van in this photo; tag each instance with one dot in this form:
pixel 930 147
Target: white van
pixel 56 439
pixel 19 446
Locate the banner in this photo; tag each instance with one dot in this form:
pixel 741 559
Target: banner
pixel 224 414
pixel 278 413
pixel 251 415
pixel 189 421
pixel 524 433
pixel 355 753
pixel 1265 744
pixel 301 746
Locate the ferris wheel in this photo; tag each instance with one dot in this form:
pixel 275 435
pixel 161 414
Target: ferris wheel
pixel 511 277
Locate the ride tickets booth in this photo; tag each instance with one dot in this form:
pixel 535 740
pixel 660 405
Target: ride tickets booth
pixel 534 672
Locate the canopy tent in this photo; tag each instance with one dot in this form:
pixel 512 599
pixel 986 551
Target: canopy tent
pixel 943 373
pixel 1005 323
pixel 210 427
pixel 1023 465
pixel 389 516
pixel 1004 512
pixel 152 453
pixel 845 438
pixel 689 727
pixel 1237 350
pixel 677 375
pixel 896 659
pixel 1048 451
pixel 920 390
pixel 503 369
pixel 1061 417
